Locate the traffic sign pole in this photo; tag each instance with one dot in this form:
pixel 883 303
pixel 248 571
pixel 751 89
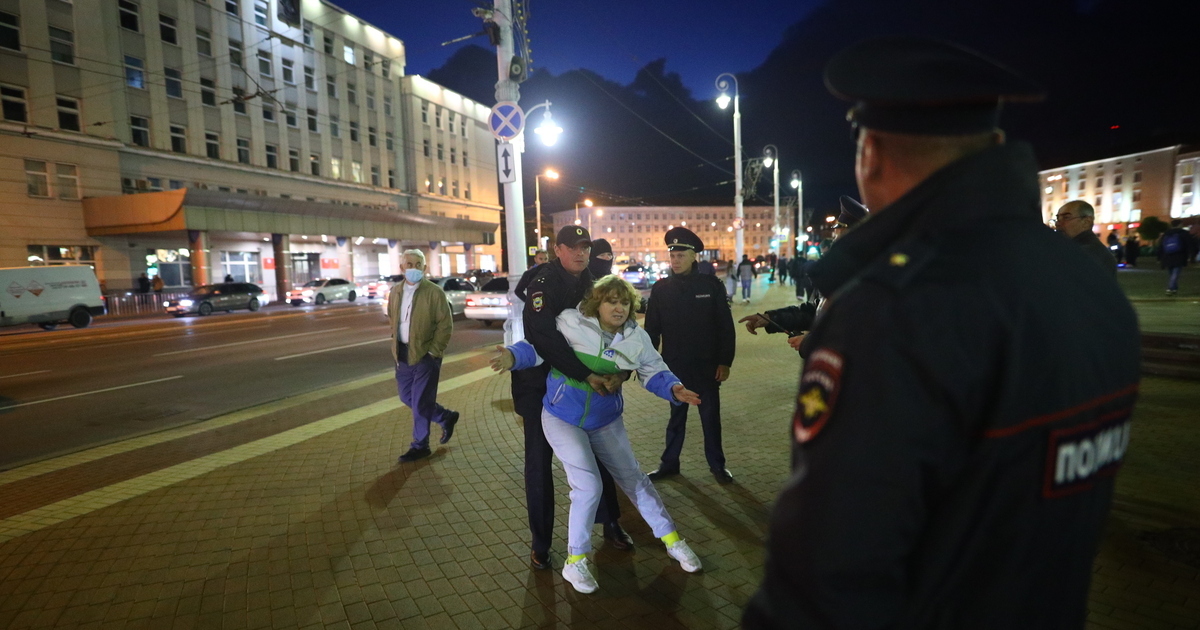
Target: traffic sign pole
pixel 509 91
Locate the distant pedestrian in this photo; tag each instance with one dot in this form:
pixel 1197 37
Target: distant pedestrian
pixel 745 274
pixel 1075 219
pixel 143 284
pixel 228 278
pixel 539 259
pixel 1133 249
pixel 1114 246
pixel 730 269
pixel 799 277
pixel 1176 248
pixel 783 271
pixel 421 324
pixel 157 284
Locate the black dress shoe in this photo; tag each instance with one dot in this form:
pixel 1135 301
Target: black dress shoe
pixel 617 536
pixel 539 560
pixel 448 427
pixel 723 475
pixel 414 454
pixel 662 473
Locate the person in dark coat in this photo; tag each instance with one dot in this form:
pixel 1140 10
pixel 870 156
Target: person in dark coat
pixel 143 284
pixel 957 426
pixel 1075 220
pixel 556 286
pixel 1133 249
pixel 539 259
pixel 695 327
pixel 1176 248
pixel 602 259
pixel 1114 246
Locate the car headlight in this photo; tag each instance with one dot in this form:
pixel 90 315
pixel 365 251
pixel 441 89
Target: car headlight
pixel 166 304
pixel 186 303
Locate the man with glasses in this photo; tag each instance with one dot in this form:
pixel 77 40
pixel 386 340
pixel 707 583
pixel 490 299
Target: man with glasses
pixel 966 394
pixel 1075 220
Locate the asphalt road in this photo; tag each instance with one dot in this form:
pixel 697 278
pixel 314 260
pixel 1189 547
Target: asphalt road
pixel 65 390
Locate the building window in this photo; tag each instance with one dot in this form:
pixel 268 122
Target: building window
pixel 387 105
pixel 231 7
pixel 331 85
pixel 353 131
pixel 68 113
pixel 1099 182
pixel 386 66
pixel 272 156
pixel 389 141
pixel 268 113
pixel 429 183
pixel 312 120
pixel 1137 195
pixel 243 266
pixel 37 179
pixel 453 155
pixel 264 63
pixel 129 15
pixel 139 127
pixel 235 53
pixel 465 165
pixel 356 172
pixel 212 145
pixel 426 144
pixel 335 168
pixel 167 30
pixel 294 160
pixel 68 181
pixel 307 31
pixel 243 150
pixel 62 46
pixel 262 12
pixel 310 78
pixel 289 73
pixel 462 130
pixel 174 81
pixel 467 193
pixel 391 178
pixel 1137 177
pixel 371 136
pixel 178 139
pixel 442 186
pixel 437 117
pixel 441 151
pixel 239 101
pixel 41 255
pixel 328 45
pixel 10 31
pixel 135 73
pixel 203 42
pixel 208 92
pixel 352 93
pixel 348 54
pixel 454 187
pixel 335 127
pixel 374 175
pixel 292 121
pixel 314 164
pixel 425 112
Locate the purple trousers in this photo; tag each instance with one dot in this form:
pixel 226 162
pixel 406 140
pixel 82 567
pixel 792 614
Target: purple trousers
pixel 417 384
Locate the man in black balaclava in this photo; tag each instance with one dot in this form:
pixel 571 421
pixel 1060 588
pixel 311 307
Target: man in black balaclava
pixel 602 259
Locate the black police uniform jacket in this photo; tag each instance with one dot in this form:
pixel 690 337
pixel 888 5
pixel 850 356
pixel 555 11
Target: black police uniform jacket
pixel 552 290
pixel 964 405
pixel 690 316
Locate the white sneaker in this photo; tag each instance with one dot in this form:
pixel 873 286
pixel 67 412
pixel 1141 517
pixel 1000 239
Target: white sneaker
pixel 580 577
pixel 684 554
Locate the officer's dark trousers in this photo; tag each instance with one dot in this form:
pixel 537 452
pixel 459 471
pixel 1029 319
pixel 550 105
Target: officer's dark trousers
pixel 710 422
pixel 539 487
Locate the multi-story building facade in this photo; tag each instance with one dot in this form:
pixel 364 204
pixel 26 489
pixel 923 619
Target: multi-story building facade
pixel 1183 193
pixel 271 140
pixel 636 232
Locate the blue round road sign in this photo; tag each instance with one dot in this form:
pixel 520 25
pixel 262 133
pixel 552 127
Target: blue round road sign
pixel 507 120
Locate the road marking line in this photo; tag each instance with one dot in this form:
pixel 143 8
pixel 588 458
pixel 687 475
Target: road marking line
pixel 353 345
pixel 132 444
pixel 98 391
pixel 88 502
pixel 242 343
pixel 25 374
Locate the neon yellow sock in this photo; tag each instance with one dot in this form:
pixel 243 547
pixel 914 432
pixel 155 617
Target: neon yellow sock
pixel 575 558
pixel 671 539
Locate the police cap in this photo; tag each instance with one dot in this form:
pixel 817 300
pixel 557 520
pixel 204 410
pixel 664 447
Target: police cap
pixel 924 86
pixel 682 238
pixel 852 211
pixel 572 236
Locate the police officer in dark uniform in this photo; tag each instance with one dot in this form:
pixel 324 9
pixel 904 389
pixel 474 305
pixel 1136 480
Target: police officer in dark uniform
pixel 957 425
pixel 558 285
pixel 688 312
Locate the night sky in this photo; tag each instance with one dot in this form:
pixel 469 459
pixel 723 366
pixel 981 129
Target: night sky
pixel 699 39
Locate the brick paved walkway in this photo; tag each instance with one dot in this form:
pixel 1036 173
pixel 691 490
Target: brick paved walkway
pixel 293 515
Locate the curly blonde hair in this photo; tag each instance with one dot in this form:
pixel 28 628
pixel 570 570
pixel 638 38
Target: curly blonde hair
pixel 606 287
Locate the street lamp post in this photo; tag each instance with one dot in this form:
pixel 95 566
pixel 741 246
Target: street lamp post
pixel 771 161
pixel 537 196
pixel 595 213
pixel 798 184
pixel 586 202
pixel 723 84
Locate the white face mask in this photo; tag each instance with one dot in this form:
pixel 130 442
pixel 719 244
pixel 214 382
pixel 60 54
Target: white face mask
pixel 413 275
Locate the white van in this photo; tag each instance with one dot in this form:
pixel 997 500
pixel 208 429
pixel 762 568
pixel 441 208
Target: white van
pixel 49 296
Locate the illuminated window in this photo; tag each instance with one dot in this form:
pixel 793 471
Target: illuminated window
pixel 348 54
pixel 135 73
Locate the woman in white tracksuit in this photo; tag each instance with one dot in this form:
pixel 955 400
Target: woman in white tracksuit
pixel 583 426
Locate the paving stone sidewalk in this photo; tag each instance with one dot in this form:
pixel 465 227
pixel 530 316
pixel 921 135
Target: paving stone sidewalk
pixel 316 527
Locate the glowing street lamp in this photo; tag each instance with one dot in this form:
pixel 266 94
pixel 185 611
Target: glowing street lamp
pixel 537 196
pixel 798 184
pixel 548 131
pixel 598 212
pixel 724 82
pixel 771 159
pixel 586 202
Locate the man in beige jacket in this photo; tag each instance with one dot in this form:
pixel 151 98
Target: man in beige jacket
pixel 421 324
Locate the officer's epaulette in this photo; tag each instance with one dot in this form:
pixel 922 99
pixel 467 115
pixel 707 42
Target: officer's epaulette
pixel 901 263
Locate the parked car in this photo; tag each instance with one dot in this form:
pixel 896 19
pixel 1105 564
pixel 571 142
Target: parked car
pixel 226 296
pixel 49 296
pixel 490 303
pixel 323 290
pixel 381 287
pixel 479 277
pixel 638 276
pixel 457 290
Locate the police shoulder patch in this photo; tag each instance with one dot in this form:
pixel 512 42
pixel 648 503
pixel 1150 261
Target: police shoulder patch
pixel 538 300
pixel 819 385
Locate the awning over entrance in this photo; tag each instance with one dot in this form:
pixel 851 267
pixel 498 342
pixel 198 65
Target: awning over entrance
pixel 219 211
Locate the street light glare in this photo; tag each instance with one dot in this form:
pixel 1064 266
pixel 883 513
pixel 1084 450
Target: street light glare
pixel 795 183
pixel 723 100
pixel 768 162
pixel 548 131
pixel 599 213
pixel 550 174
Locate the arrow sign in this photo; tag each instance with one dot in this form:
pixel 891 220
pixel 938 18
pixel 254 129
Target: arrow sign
pixel 505 163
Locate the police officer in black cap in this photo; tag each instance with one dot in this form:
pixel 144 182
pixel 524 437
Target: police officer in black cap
pixel 689 313
pixel 957 425
pixel 558 285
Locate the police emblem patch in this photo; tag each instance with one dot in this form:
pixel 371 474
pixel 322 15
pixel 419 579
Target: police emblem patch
pixel 538 301
pixel 819 385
